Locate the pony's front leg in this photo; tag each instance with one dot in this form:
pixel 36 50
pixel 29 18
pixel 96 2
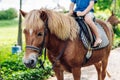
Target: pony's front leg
pixel 58 73
pixel 76 73
pixel 98 67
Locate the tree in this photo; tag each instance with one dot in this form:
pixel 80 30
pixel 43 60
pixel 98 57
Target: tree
pixel 103 4
pixel 118 7
pixel 19 41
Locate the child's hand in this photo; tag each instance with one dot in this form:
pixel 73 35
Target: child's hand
pixel 79 13
pixel 70 13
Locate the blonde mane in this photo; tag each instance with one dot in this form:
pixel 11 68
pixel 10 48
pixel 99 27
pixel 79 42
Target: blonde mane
pixel 61 25
pixel 32 20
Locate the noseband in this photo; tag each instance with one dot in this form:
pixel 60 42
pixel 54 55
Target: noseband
pixel 42 45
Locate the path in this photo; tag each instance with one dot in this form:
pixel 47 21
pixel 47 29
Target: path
pixel 89 73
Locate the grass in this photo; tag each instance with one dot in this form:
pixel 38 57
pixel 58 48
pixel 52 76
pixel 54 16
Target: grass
pixel 8 23
pixel 11 66
pixel 8 37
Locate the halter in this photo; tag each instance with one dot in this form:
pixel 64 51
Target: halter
pixel 42 46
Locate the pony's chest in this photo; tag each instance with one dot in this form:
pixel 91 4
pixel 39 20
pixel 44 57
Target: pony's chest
pixel 65 65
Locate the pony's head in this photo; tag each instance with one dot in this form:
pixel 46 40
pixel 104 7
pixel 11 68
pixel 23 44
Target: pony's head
pixel 38 23
pixel 35 32
pixel 113 20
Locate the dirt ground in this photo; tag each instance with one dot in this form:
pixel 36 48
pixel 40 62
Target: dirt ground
pixel 89 73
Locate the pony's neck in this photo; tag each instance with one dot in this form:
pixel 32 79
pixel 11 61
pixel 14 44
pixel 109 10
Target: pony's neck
pixel 113 20
pixel 55 44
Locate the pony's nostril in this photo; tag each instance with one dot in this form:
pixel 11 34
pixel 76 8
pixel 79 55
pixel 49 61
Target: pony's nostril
pixel 26 64
pixel 32 62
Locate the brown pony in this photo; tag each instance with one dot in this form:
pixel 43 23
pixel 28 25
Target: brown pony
pixel 113 20
pixel 59 34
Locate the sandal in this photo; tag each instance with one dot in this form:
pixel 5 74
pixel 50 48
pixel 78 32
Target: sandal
pixel 97 43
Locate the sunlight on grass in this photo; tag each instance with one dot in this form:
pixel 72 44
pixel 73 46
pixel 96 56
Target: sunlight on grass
pixel 101 15
pixel 8 23
pixel 8 38
pixel 8 35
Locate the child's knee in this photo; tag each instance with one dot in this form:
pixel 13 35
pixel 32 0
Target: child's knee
pixel 88 19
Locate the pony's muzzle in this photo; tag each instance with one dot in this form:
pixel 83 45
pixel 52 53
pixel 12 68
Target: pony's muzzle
pixel 30 64
pixel 30 61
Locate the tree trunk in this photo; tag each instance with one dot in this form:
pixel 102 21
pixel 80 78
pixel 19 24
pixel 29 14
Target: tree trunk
pixel 19 41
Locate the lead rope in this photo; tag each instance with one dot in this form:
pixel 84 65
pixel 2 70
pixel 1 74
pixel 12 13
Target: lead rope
pixel 43 43
pixel 42 62
pixel 60 55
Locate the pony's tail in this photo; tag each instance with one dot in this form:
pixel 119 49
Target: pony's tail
pixel 108 74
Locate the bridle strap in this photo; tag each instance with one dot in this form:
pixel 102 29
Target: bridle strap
pixel 42 62
pixel 60 55
pixel 42 45
pixel 33 48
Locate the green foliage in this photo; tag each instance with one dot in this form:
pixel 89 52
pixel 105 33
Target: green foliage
pixel 34 74
pixel 116 7
pixel 101 15
pixel 112 5
pixel 116 41
pixel 8 37
pixel 116 36
pixel 117 31
pixel 10 13
pixel 103 4
pixel 12 68
pixel 5 23
pixel 118 13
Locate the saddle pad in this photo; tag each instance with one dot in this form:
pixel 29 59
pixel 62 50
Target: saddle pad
pixel 103 35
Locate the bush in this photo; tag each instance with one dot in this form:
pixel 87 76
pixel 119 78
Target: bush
pixel 13 69
pixel 117 30
pixel 10 13
pixel 30 74
pixel 11 23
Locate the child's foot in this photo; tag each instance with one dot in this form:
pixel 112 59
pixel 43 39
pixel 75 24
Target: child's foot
pixel 97 42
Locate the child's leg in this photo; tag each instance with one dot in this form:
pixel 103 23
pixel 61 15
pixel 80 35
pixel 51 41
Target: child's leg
pixel 89 20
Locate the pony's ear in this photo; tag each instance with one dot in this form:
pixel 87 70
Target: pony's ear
pixel 23 13
pixel 112 13
pixel 43 16
pixel 119 21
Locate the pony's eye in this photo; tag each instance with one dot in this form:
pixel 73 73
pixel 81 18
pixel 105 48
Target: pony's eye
pixel 39 34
